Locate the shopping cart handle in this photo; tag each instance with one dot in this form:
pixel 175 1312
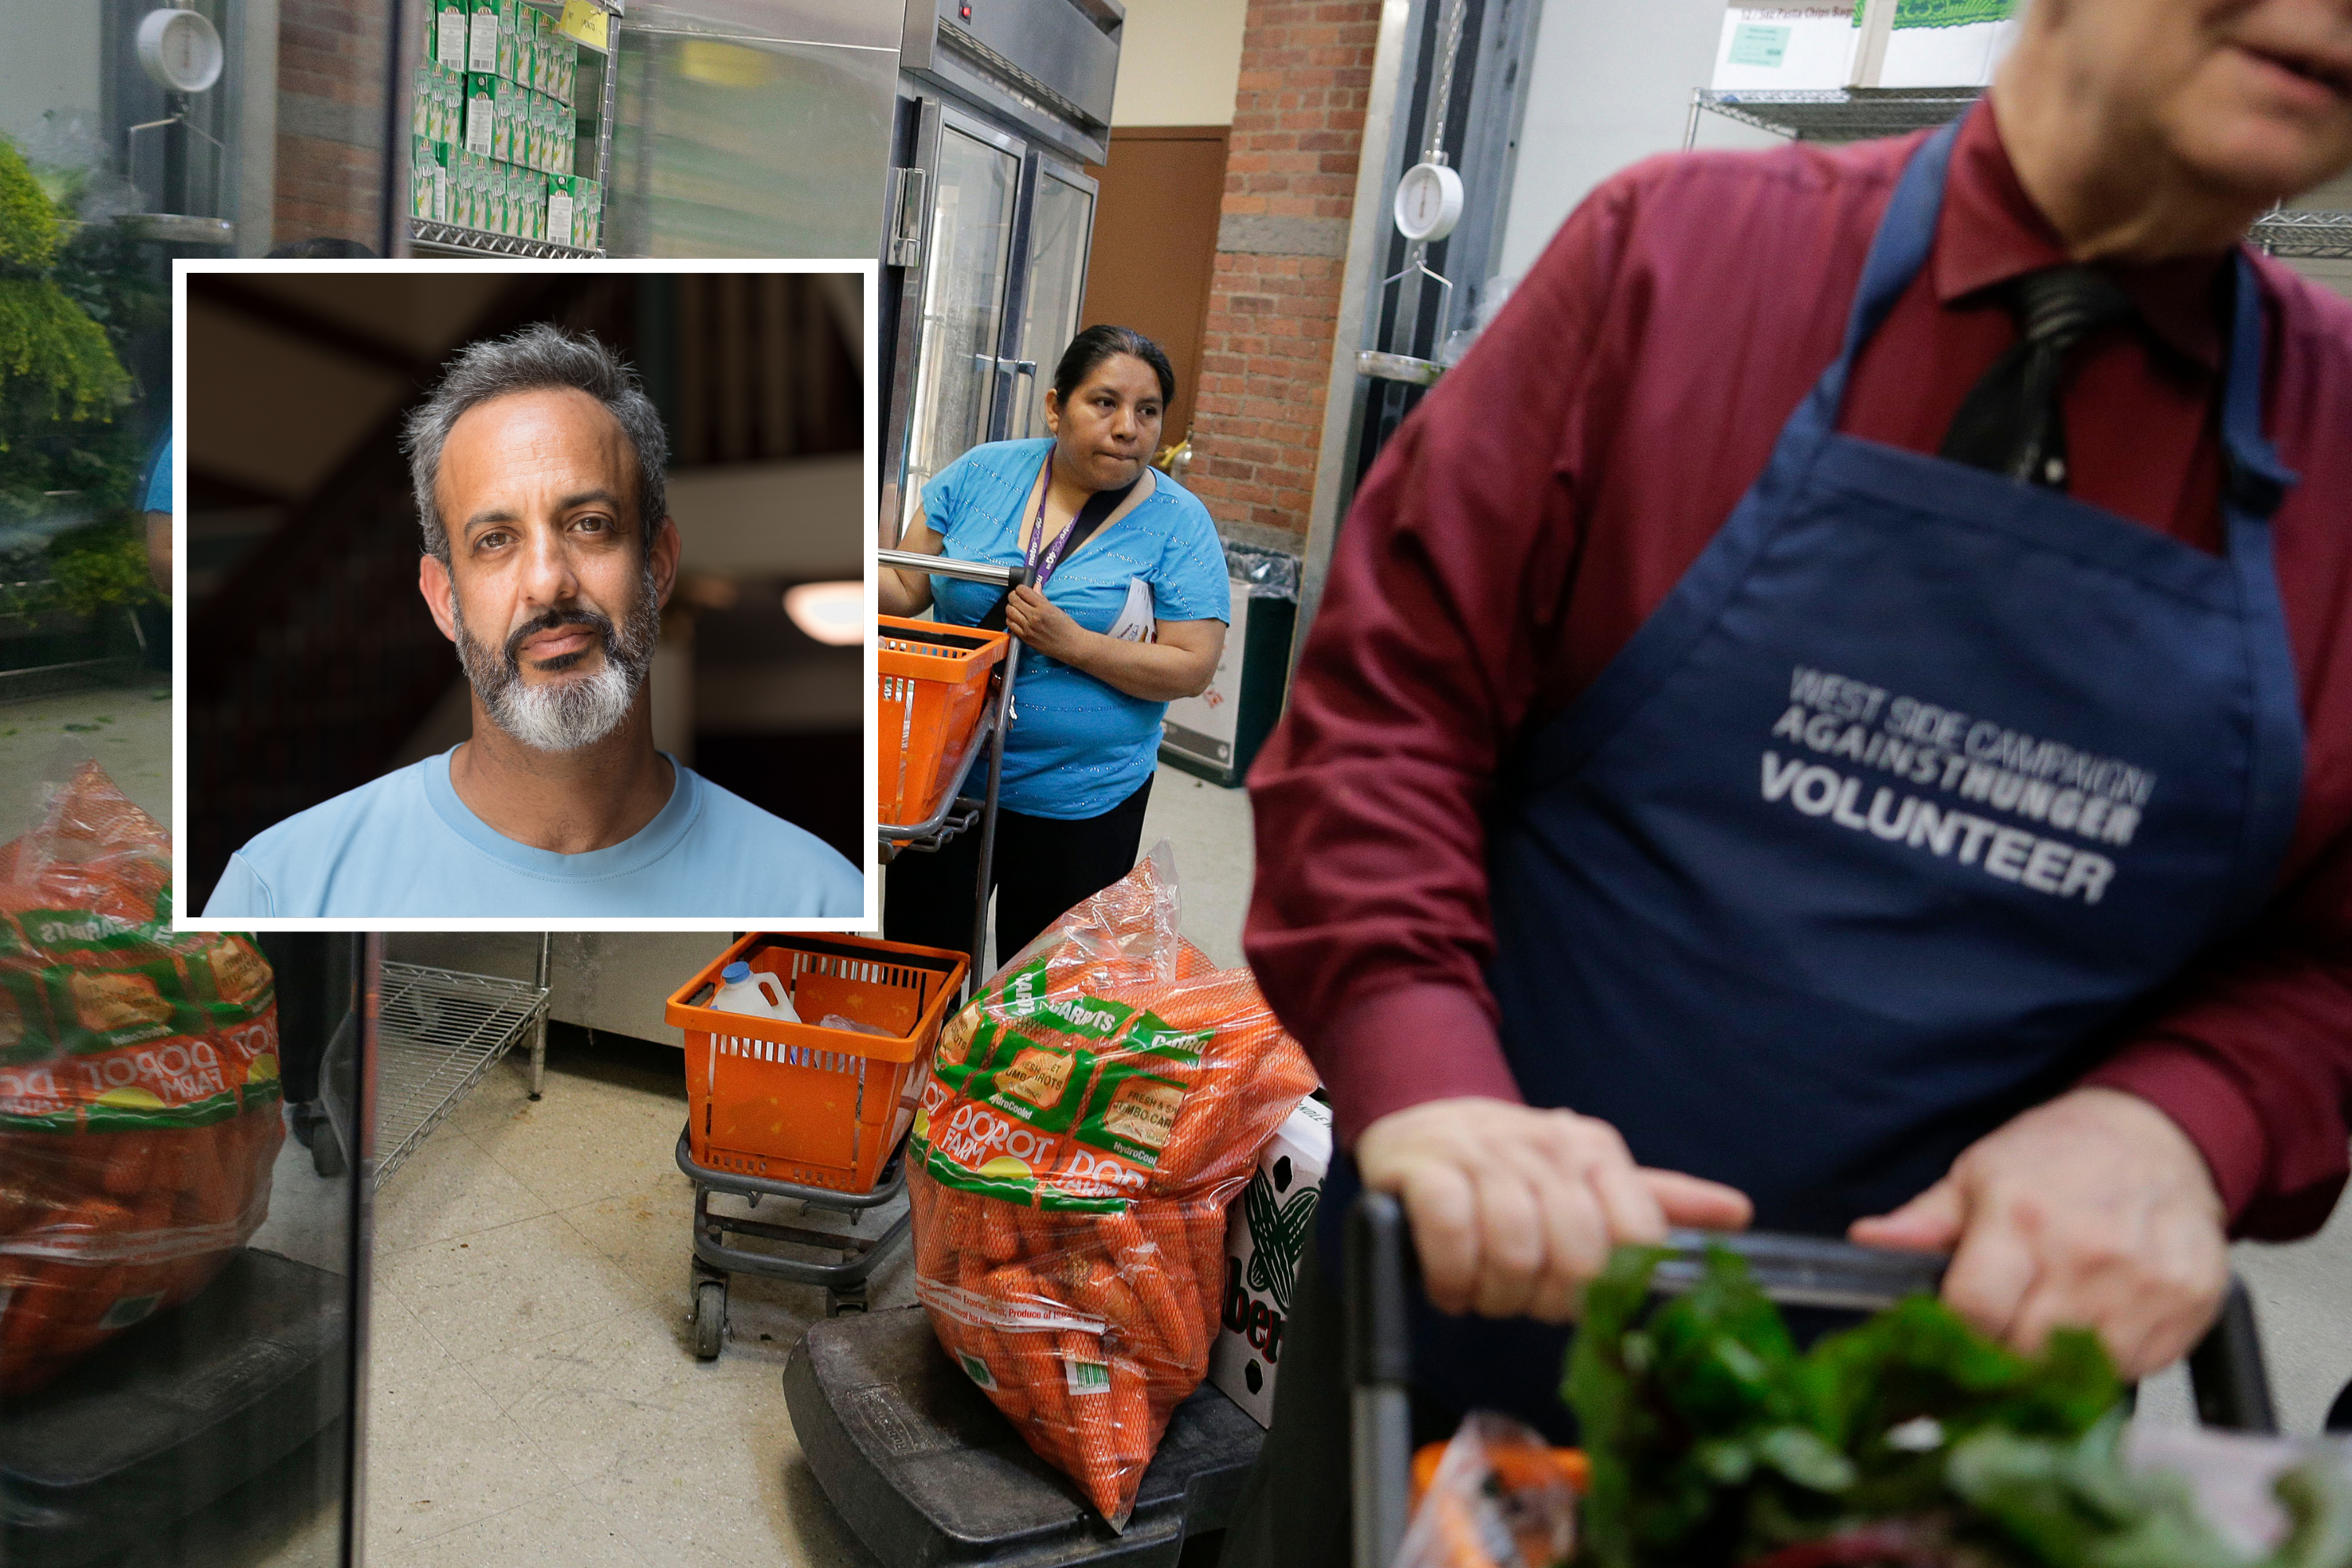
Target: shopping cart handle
pixel 947 566
pixel 2225 1370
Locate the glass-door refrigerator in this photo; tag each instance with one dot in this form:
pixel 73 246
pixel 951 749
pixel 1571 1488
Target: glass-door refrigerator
pixel 988 220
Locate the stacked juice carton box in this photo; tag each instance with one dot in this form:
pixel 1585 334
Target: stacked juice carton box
pixel 1812 44
pixel 495 129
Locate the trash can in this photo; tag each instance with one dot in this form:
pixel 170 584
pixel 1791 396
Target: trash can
pixel 1216 734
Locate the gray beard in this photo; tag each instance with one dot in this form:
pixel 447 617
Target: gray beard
pixel 565 715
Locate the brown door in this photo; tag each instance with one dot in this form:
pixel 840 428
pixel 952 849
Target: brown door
pixel 1155 246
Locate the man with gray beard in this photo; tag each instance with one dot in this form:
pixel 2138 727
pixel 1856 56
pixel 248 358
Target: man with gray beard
pixel 548 550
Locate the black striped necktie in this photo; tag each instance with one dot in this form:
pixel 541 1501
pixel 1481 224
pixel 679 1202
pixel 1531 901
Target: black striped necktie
pixel 2013 422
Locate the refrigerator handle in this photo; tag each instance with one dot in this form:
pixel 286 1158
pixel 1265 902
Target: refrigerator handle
pixel 1019 368
pixel 903 202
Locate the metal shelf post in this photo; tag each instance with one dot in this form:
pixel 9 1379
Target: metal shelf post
pixel 996 724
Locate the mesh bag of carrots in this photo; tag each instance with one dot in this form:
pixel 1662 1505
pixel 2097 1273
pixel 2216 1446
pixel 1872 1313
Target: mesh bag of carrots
pixel 139 1085
pixel 1088 1116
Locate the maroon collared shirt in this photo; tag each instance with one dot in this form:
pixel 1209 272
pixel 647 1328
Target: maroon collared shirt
pixel 1546 496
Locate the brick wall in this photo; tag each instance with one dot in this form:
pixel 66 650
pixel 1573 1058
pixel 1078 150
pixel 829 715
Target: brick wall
pixel 331 154
pixel 1290 180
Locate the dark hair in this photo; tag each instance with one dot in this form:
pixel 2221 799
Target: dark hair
pixel 538 357
pixel 1096 344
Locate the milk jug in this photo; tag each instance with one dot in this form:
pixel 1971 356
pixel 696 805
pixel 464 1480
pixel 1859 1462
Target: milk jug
pixel 743 990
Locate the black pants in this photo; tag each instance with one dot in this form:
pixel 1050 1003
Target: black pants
pixel 1042 864
pixel 308 1006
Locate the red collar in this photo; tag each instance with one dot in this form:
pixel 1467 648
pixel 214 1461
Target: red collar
pixel 1991 232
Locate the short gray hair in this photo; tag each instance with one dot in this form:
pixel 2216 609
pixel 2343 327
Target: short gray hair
pixel 539 358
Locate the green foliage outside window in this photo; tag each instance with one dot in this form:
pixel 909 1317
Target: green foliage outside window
pixel 73 295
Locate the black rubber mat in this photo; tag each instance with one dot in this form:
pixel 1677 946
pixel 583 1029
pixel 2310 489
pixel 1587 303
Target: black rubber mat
pixel 929 1474
pixel 177 1412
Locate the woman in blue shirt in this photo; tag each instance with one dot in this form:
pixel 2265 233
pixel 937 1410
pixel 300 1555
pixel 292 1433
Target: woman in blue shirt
pixel 1125 610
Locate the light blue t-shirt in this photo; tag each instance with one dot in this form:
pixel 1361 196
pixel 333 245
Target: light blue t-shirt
pixel 405 845
pixel 159 478
pixel 1078 746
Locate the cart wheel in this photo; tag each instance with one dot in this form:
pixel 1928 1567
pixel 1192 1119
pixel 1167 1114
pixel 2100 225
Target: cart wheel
pixel 709 1318
pixel 326 1153
pixel 836 1302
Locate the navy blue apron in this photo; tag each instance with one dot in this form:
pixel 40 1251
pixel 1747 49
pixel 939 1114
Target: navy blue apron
pixel 1916 781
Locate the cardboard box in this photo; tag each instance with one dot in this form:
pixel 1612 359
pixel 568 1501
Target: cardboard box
pixel 461 190
pixel 447 41
pixel 1269 1228
pixel 572 203
pixel 481 113
pixel 1805 46
pixel 560 210
pixel 420 182
pixel 1948 42
pixel 428 176
pixel 482 37
pixel 1811 45
pixel 438 108
pixel 507 38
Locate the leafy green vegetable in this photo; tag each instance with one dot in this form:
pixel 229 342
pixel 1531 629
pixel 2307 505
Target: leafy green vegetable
pixel 1908 1439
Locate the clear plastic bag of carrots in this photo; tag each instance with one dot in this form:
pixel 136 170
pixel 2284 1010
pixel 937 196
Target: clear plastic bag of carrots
pixel 138 1086
pixel 1493 1497
pixel 1088 1116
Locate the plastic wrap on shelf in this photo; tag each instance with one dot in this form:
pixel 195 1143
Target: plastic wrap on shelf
pixel 1090 1115
pixel 139 1086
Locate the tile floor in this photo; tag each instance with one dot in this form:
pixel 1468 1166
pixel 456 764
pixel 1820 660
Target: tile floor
pixel 534 1398
pixel 127 727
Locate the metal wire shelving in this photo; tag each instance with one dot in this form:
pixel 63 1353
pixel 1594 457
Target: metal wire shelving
pixel 438 1031
pixel 1850 114
pixel 430 238
pixel 1833 115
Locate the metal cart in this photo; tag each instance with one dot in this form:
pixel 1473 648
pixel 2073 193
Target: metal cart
pixel 2225 1370
pixel 843 1282
pixel 857 1250
pixel 859 1254
pixel 960 813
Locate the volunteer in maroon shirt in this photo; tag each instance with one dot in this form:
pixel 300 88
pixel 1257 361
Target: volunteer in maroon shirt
pixel 1839 713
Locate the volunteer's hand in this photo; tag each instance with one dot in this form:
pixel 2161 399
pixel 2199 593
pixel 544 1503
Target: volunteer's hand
pixel 1034 619
pixel 2093 1210
pixel 1514 1210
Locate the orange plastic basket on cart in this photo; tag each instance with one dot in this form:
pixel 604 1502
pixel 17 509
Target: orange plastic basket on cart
pixel 800 1103
pixel 934 688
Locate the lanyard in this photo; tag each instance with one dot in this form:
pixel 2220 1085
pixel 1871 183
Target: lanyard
pixel 1041 566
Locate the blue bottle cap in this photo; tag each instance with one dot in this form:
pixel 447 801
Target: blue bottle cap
pixel 738 970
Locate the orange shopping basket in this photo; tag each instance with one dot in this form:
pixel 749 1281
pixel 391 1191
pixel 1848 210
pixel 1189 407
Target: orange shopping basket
pixel 934 688
pixel 803 1103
